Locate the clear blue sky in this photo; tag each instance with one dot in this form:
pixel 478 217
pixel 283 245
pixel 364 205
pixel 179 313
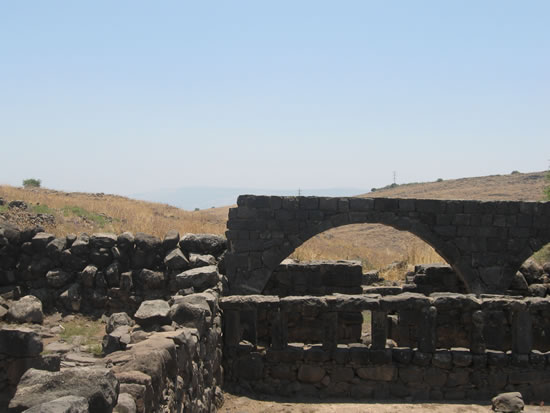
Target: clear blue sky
pixel 130 96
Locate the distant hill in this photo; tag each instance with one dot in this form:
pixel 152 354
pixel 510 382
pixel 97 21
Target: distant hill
pixel 191 197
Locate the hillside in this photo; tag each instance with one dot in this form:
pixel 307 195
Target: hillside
pixel 376 245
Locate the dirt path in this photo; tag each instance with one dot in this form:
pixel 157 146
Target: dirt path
pixel 242 404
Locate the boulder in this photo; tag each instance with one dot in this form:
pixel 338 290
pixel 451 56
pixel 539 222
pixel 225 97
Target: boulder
pixel 71 298
pixel 55 247
pixel 112 274
pixel 176 261
pixel 151 280
pixel 199 278
pixel 66 404
pixel 116 340
pixel 103 240
pixel 146 242
pixel 41 240
pixel 532 271
pixel 81 246
pixel 203 243
pixel 519 282
pixel 72 262
pixel 126 404
pixel 19 342
pixel 199 260
pixel 153 312
pixel 116 320
pixel 508 402
pixel 170 240
pixel 125 241
pixel 98 386
pixel 537 290
pixel 27 309
pixel 58 278
pixel 18 204
pixel 87 276
pixel 191 311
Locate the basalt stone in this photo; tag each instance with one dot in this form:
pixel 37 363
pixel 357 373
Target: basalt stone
pixel 41 240
pixel 198 260
pixel 103 240
pixel 55 247
pixel 171 240
pixel 87 276
pixel 146 242
pixel 58 278
pixel 519 282
pixel 203 243
pixel 71 298
pixel 532 271
pixel 69 239
pixel 112 274
pixel 19 342
pixel 81 246
pixel 151 280
pixel 125 241
pixel 66 404
pixel 153 312
pixel 72 262
pixel 175 260
pixel 116 320
pixel 198 278
pixel 27 309
pixel 508 402
pixel 311 373
pixel 101 258
pixel 384 372
pixel 126 281
pixel 97 385
pixel 191 311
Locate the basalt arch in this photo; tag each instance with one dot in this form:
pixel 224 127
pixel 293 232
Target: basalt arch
pixel 484 242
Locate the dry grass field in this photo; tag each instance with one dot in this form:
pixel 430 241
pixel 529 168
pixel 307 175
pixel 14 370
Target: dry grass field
pixel 376 246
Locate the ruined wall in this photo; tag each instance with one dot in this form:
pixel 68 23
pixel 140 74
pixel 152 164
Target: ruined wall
pixel 170 359
pixel 431 362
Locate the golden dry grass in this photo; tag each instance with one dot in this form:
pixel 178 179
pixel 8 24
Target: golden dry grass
pixel 113 213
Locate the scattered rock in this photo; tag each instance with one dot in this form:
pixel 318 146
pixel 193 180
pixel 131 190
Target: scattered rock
pixel 198 260
pixel 18 204
pixel 27 309
pixel 508 402
pixel 97 385
pixel 116 320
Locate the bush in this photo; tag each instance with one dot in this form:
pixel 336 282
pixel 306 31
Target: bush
pixel 515 172
pixel 439 179
pixel 31 183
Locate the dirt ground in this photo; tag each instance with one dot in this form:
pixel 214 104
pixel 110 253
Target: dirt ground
pixel 241 404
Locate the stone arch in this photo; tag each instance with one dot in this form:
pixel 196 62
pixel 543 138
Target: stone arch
pixel 484 242
pixel 422 231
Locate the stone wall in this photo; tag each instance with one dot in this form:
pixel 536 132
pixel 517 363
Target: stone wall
pixel 315 278
pixel 484 242
pixel 444 347
pixel 165 356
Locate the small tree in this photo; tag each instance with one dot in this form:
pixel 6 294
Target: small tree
pixel 31 183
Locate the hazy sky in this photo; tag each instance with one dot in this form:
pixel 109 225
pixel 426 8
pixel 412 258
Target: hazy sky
pixel 129 96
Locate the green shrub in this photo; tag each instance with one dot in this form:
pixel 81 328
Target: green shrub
pixel 31 183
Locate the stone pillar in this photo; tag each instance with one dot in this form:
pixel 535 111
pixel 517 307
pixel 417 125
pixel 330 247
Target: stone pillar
pixel 427 337
pixel 330 331
pixel 477 340
pixel 379 329
pixel 522 334
pixel 232 327
pixel 279 330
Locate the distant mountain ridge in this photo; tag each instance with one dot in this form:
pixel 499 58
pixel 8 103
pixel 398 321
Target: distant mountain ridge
pixel 207 197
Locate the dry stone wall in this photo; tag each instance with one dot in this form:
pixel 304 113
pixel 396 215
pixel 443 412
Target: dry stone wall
pixel 432 360
pixel 484 242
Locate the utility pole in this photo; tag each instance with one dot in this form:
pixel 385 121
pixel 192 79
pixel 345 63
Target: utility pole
pixel 394 176
pixel 299 192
